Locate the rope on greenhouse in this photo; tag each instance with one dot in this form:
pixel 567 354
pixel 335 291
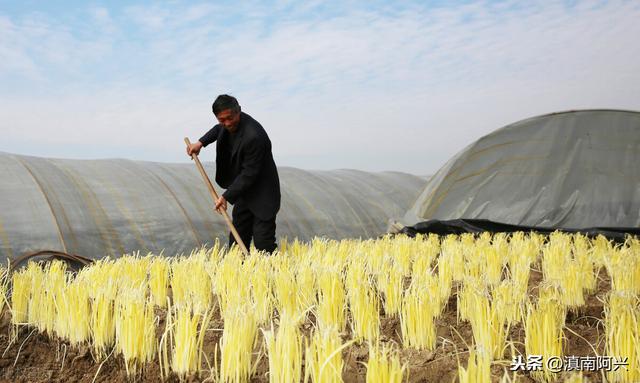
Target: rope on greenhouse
pixel 74 260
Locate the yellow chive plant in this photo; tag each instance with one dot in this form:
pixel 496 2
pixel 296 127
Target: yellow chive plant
pixel 331 300
pixel 185 329
pixel 135 330
pixel 364 304
pixel 4 281
pixel 260 285
pixel 384 365
pixel 488 326
pixel 623 335
pixel 21 290
pixel 478 368
pixel 544 334
pixel 159 281
pixel 237 343
pixel 417 315
pixel 284 349
pixel 390 284
pixel 102 323
pixel 323 357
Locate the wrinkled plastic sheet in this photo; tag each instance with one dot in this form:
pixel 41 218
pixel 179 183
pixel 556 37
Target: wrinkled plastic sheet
pixel 98 208
pixel 477 226
pixel 576 169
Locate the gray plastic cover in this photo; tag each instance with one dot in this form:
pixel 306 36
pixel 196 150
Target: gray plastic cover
pixel 572 169
pixel 96 208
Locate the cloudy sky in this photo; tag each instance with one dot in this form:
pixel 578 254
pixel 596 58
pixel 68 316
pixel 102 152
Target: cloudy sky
pixel 367 85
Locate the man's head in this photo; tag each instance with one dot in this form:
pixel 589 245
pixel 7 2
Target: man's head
pixel 227 111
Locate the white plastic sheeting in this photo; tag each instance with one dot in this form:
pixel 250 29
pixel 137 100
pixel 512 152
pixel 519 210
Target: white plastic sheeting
pixel 572 169
pixel 96 208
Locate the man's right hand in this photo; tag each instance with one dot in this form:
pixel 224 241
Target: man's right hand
pixel 194 148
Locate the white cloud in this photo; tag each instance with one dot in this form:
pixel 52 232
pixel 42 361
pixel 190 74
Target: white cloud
pixel 152 18
pixel 391 84
pixel 15 58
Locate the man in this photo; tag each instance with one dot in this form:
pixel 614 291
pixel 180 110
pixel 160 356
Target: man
pixel 245 167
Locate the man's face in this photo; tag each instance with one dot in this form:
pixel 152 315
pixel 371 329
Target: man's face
pixel 229 119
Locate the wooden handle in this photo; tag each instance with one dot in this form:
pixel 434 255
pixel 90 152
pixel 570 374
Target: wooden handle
pixel 207 181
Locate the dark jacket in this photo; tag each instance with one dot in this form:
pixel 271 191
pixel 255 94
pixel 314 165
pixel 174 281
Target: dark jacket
pixel 247 169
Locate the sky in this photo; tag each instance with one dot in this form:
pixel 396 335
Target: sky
pixel 370 85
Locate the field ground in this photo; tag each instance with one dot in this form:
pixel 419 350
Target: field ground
pixel 35 357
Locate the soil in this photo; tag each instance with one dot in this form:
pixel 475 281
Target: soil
pixel 35 357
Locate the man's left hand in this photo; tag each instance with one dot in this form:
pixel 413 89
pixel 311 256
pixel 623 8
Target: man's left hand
pixel 221 204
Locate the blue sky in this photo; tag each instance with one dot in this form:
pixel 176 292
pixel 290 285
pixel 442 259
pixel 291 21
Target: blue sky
pixel 366 85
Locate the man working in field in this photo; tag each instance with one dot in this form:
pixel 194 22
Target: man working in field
pixel 245 167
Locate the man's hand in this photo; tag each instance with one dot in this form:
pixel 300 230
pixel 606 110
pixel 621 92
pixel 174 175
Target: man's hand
pixel 194 148
pixel 221 204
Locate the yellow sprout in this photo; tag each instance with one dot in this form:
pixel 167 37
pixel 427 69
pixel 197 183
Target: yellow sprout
pixel 544 334
pixel 21 290
pixel 187 339
pixel 190 282
pixel 36 296
pixel 478 369
pixel 384 365
pixel 584 255
pixel 113 303
pixel 390 283
pixel 54 284
pixel 623 265
pixel 446 272
pixel 364 304
pixel 509 301
pixel 417 319
pixel 159 281
pixel 3 286
pixel 555 256
pixel 487 323
pixel 306 284
pixel 73 312
pixel 323 356
pixel 286 290
pixel 284 351
pixel 236 345
pixel 103 326
pixel 331 301
pixel 453 252
pixel 261 295
pixel 572 284
pixel 623 336
pixel 466 295
pixel 230 282
pixel 523 251
pixel 135 330
pixel 495 258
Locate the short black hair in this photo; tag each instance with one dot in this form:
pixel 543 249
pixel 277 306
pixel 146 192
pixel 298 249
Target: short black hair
pixel 224 102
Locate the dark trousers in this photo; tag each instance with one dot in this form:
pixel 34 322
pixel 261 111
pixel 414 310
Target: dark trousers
pixel 248 226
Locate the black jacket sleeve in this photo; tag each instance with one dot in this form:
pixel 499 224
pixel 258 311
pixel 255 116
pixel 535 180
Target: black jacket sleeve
pixel 210 136
pixel 250 168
